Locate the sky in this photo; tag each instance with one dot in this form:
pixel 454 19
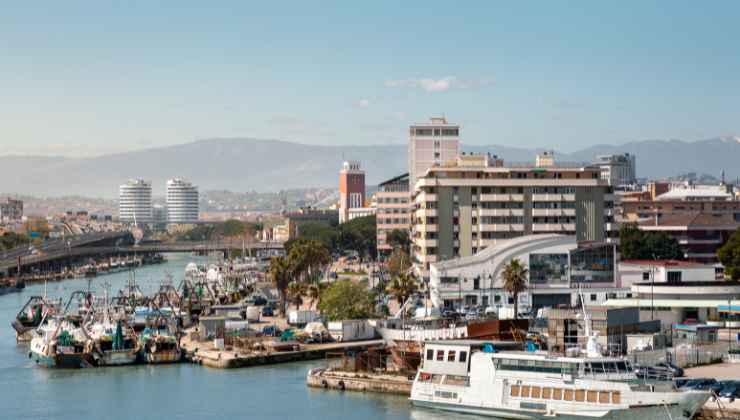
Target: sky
pixel 89 78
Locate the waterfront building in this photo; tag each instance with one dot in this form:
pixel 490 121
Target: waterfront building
pixel 618 169
pixel 469 204
pixel 159 217
pixel 351 189
pixel 431 144
pixel 11 210
pixel 393 210
pixel 135 202
pixel 182 202
pixel 558 267
pixel 675 291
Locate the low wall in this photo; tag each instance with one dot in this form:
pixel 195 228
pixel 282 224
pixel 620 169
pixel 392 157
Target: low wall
pixel 361 382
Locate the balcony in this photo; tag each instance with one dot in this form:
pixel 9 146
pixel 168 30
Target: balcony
pixel 502 197
pixel 423 213
pixel 553 197
pixel 501 227
pixel 553 212
pixel 425 196
pixel 501 212
pixel 425 228
pixel 704 241
pixel 425 243
pixel 553 227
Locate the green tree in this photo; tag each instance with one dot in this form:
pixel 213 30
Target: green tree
pixel 313 291
pixel 344 299
pixel 308 259
pixel 399 262
pixel 10 240
pixel 324 233
pixel 281 273
pixel 398 238
pixel 635 244
pixel 359 235
pixel 295 293
pixel 729 256
pixel 402 287
pixel 515 281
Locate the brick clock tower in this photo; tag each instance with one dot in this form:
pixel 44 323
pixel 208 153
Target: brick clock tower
pixel 351 189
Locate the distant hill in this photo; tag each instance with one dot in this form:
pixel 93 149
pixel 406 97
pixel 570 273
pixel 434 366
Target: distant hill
pixel 271 165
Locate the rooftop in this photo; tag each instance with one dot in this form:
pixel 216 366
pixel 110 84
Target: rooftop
pixel 699 191
pixel 666 263
pixel 692 219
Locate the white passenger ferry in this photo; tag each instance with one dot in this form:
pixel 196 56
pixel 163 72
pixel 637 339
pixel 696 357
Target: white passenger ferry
pixel 467 377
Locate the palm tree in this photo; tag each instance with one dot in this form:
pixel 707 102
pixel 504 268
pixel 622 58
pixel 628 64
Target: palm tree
pixel 314 293
pixel 281 273
pixel 402 287
pixel 515 281
pixel 296 290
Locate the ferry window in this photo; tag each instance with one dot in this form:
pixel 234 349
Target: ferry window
pixel 515 390
pixel 580 395
pixel 568 395
pixel 451 356
pixel 591 396
pixel 546 393
pixel 587 368
pixel 597 367
pixel 622 366
pixel 612 367
pixel 536 392
pixel 603 397
pixel 440 355
pixel 463 357
pixel 430 354
pixel 616 398
pixel 557 394
pixel 525 391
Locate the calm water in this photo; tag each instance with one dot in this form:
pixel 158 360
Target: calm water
pixel 181 391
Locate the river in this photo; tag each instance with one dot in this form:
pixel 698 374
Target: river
pixel 182 391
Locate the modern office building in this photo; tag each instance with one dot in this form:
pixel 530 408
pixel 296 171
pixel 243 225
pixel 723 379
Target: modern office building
pixel 351 189
pixel 430 144
pixel 558 266
pixel 465 206
pixel 393 210
pixel 617 170
pixel 135 202
pixel 11 210
pixel 182 202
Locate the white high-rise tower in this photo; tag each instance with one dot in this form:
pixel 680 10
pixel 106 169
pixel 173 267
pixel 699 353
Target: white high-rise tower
pixel 135 202
pixel 182 201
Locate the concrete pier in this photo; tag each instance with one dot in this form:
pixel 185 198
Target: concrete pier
pixel 359 381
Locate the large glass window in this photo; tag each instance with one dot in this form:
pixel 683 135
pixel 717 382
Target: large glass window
pixel 593 264
pixel 548 268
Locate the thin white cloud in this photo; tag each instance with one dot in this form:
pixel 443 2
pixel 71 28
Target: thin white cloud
pixel 438 85
pixel 363 103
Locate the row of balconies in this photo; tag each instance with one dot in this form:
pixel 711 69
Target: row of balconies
pixel 553 227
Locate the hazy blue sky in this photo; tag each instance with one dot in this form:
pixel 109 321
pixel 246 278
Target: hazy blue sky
pixel 97 77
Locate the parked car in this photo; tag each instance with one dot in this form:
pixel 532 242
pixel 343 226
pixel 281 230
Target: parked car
pixel 260 301
pixel 267 311
pixel 271 330
pixel 675 370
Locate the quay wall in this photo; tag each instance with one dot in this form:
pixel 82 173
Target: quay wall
pixel 365 382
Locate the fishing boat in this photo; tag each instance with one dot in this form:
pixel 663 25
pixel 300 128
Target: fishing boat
pixel 114 343
pixel 159 346
pixel 61 342
pixel 30 316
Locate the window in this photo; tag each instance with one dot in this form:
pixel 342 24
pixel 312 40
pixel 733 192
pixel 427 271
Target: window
pixel 536 392
pixel 674 277
pixel 603 397
pixel 463 357
pixel 591 396
pixel 646 275
pixel 580 395
pixel 593 297
pixel 525 391
pixel 568 395
pixel 557 394
pixel 451 356
pixel 616 397
pixel 440 355
pixel 546 393
pixel 515 390
pixel 430 354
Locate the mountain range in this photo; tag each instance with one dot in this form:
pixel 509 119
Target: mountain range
pixel 247 164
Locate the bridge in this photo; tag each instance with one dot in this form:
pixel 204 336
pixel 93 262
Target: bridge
pixel 58 253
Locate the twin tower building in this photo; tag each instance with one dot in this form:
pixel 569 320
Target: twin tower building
pixel 135 203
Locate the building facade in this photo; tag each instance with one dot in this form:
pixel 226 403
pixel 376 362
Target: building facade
pixel 11 210
pixel 617 170
pixel 558 268
pixel 463 207
pixel 135 202
pixel 393 210
pixel 182 202
pixel 430 144
pixel 351 189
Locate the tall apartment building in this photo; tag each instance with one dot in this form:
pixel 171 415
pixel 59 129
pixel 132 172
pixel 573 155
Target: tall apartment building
pixel 11 210
pixel 393 210
pixel 465 206
pixel 431 144
pixel 351 189
pixel 182 202
pixel 617 169
pixel 135 202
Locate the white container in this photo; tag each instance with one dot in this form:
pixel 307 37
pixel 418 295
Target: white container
pixel 302 317
pixel 351 330
pixel 218 344
pixel 253 313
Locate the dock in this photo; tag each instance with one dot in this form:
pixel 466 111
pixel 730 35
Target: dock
pixel 203 353
pixel 385 383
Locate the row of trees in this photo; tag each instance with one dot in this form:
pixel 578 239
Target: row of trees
pixel 10 240
pixel 356 235
pixel 231 228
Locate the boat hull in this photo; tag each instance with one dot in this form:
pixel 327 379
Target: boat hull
pixel 684 410
pixel 118 357
pixel 163 357
pixel 63 360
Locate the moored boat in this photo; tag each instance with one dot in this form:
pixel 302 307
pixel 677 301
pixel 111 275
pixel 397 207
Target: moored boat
pixel 158 346
pixel 31 316
pixel 61 343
